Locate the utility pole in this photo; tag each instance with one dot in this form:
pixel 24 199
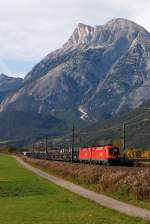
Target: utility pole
pixel 124 138
pixel 33 147
pixel 72 150
pixel 46 145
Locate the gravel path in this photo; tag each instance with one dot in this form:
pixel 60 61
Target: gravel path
pixel 98 198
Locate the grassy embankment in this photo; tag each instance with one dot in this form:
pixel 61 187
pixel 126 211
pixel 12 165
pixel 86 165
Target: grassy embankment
pixel 129 184
pixel 28 199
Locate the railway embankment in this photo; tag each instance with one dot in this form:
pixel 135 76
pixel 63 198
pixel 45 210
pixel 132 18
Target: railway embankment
pixel 129 184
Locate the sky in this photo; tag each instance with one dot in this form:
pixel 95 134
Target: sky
pixel 30 29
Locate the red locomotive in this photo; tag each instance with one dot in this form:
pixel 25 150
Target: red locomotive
pixel 107 154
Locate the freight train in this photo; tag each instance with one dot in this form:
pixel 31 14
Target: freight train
pixel 106 154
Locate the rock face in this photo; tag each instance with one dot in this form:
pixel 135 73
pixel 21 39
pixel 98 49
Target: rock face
pixel 99 72
pixel 8 85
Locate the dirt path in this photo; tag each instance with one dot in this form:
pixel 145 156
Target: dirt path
pixel 98 198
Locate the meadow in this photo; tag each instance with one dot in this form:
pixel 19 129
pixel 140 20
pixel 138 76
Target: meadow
pixel 26 198
pixel 129 184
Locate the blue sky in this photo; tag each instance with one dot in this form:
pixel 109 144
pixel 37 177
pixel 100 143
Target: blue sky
pixel 30 29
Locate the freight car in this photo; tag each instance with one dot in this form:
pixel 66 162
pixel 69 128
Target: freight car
pixel 138 157
pixel 135 154
pixel 107 154
pixel 62 155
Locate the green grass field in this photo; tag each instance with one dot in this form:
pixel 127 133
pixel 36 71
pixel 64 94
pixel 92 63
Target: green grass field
pixel 28 199
pixel 102 179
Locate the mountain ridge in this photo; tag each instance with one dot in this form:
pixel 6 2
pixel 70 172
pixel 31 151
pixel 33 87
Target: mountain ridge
pixel 8 85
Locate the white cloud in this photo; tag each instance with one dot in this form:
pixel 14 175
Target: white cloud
pixel 30 29
pixel 4 68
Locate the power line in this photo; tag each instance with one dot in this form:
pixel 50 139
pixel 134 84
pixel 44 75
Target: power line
pixel 141 134
pixel 135 118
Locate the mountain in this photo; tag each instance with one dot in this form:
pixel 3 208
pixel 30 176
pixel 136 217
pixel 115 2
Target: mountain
pixel 21 128
pixel 8 85
pixel 99 72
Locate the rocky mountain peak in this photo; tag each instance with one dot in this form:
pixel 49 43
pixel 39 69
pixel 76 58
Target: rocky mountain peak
pixel 80 35
pixel 124 27
pixel 122 23
pixel 105 34
pixel 3 76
